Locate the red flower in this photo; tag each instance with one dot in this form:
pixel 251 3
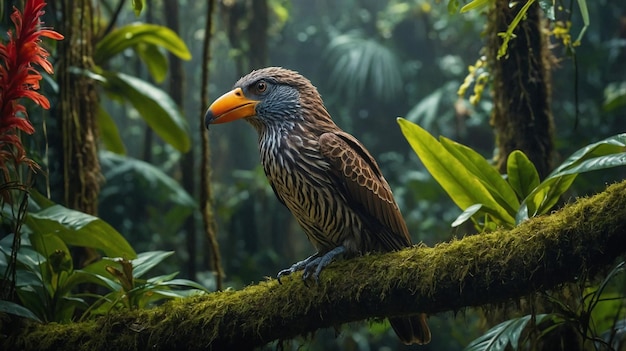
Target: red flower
pixel 19 79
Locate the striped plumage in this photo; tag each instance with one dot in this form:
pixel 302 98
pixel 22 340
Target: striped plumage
pixel 327 179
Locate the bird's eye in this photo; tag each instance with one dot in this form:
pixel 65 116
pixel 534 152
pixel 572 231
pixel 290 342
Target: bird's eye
pixel 260 86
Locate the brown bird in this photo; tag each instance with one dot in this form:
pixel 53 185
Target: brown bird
pixel 325 176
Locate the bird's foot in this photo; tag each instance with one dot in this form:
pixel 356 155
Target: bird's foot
pixel 298 266
pixel 313 265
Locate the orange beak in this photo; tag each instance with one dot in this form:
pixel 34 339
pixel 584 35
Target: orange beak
pixel 229 107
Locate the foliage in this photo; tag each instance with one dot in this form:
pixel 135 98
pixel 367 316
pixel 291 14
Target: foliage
pixel 45 272
pixel 490 199
pixel 130 290
pixel 46 277
pixel 138 6
pixel 548 7
pixel 505 334
pixel 589 319
pixel 156 107
pixel 360 63
pixel 19 79
pixel 152 103
pixel 142 199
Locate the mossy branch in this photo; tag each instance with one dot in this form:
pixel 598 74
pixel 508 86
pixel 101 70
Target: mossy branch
pixel 540 254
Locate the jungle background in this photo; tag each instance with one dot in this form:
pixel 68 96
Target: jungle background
pixel 372 62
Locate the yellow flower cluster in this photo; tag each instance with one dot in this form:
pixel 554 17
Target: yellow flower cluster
pixel 479 76
pixel 562 31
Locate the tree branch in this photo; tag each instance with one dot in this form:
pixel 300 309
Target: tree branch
pixel 540 254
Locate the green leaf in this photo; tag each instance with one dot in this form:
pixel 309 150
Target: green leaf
pixel 155 106
pixel 185 283
pixel 614 96
pixel 486 173
pixel 80 229
pixel 82 276
pixel 27 278
pixel 139 33
pixel 49 244
pixel 467 214
pixel 147 260
pixel 606 153
pixel 544 197
pixel 453 6
pixel 523 175
pixel 137 6
pixel 162 187
pixel 596 163
pixel 584 13
pixel 426 111
pixel 611 145
pixel 96 273
pixel 17 310
pixel 161 279
pixel 155 61
pixel 503 334
pixel 34 299
pixel 40 201
pixel 109 134
pixel 462 187
pixel 475 5
pixel 26 255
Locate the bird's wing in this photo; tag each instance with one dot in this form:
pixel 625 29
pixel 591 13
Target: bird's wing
pixel 365 186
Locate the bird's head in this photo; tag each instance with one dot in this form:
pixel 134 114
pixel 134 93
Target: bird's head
pixel 269 97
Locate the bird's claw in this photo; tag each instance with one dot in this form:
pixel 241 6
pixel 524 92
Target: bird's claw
pixel 298 266
pixel 313 265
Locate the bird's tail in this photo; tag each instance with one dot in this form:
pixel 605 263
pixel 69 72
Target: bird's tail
pixel 411 330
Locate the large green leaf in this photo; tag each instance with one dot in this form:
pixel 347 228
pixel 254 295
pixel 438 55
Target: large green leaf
pixel 145 261
pixel 595 164
pixel 80 229
pixel 155 106
pixel 53 248
pixel 462 186
pixel 476 164
pixel 96 273
pixel 502 335
pixel 139 33
pixel 155 61
pixel 15 309
pixel 161 187
pixel 611 145
pixel 30 258
pixel 607 153
pixel 523 175
pixel 109 134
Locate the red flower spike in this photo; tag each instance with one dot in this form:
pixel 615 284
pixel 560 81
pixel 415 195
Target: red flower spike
pixel 19 79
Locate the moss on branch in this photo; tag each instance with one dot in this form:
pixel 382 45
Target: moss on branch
pixel 540 254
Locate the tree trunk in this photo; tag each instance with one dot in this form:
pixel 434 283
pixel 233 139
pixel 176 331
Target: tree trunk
pixel 77 112
pixel 542 253
pixel 521 117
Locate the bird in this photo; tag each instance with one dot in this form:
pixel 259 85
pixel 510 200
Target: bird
pixel 326 178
